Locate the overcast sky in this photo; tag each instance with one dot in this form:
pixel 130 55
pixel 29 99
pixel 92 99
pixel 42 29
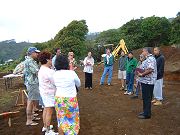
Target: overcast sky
pixel 40 20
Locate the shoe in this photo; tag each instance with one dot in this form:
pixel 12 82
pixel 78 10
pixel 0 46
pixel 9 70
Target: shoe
pixel 122 88
pixel 90 88
pixel 157 103
pixel 126 93
pixel 144 117
pixel 86 88
pixel 44 129
pixel 129 93
pixel 32 124
pixel 36 119
pixel 51 132
pixel 35 114
pixel 153 101
pixel 141 113
pixel 134 97
pixel 109 84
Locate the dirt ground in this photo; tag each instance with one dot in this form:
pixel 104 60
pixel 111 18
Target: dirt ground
pixel 104 110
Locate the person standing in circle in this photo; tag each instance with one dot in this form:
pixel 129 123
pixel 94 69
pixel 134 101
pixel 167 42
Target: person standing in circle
pixel 108 67
pixel 31 69
pixel 47 88
pixel 147 79
pixel 88 70
pixel 58 52
pixel 66 104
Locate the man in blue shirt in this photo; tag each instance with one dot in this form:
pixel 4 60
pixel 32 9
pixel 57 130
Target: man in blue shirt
pixel 58 52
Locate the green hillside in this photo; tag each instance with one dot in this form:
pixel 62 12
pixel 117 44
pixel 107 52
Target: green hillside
pixel 9 49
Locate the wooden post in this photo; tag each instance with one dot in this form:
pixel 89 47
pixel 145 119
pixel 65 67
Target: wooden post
pixel 9 122
pixel 21 95
pixel 9 116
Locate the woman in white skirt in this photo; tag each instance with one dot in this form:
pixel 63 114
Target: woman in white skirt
pixel 47 88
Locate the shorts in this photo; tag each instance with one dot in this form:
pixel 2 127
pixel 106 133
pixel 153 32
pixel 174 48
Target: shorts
pixel 121 74
pixel 47 100
pixel 33 92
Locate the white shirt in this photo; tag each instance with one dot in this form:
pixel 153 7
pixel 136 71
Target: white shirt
pixel 88 65
pixel 108 56
pixel 66 82
pixel 46 82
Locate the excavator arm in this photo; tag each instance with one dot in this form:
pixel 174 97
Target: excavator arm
pixel 119 47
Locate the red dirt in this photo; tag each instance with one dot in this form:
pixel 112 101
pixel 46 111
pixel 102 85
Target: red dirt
pixel 105 110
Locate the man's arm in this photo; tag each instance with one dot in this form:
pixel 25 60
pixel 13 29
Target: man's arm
pixel 146 72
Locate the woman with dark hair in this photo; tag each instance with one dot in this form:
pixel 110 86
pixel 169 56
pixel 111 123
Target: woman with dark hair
pixel 47 89
pixel 66 103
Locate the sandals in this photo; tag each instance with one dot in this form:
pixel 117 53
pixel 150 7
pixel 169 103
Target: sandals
pixel 39 110
pixel 36 119
pixel 32 124
pixel 35 114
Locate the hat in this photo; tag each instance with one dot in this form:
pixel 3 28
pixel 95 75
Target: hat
pixel 32 49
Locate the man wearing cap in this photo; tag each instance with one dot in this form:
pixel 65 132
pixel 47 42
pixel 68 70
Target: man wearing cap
pixel 147 79
pixel 131 64
pixel 31 69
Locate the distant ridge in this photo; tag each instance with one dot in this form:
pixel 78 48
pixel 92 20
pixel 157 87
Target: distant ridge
pixel 9 49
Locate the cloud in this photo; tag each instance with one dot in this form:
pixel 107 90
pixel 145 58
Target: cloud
pixel 40 20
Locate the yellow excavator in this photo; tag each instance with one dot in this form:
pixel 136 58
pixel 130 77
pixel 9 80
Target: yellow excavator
pixel 119 47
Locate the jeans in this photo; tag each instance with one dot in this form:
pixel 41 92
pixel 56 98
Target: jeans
pixel 147 92
pixel 108 70
pixel 130 81
pixel 88 80
pixel 158 89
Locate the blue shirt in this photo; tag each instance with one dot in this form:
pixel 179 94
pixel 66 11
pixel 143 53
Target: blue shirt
pixel 53 61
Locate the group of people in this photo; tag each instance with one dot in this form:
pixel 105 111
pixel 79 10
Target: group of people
pixel 54 84
pixel 147 73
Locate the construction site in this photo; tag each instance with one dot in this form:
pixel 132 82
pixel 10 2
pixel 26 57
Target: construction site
pixel 105 109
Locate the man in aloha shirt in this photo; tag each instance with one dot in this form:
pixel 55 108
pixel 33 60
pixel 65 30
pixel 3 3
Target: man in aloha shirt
pixel 31 69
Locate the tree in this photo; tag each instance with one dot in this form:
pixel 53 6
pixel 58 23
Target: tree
pixel 156 31
pixel 108 37
pixel 132 34
pixel 72 37
pixel 175 31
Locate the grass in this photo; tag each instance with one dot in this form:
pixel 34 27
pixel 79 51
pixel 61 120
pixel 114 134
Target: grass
pixel 6 100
